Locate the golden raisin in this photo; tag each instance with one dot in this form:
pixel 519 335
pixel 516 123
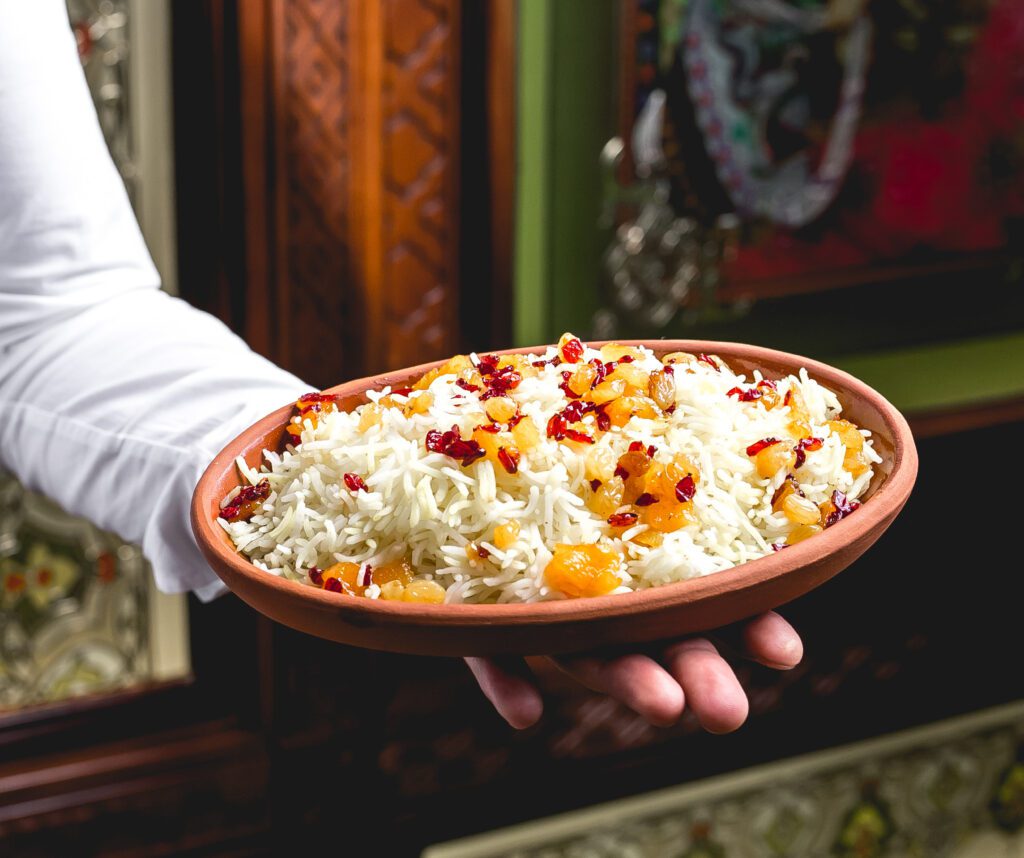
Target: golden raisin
pixel 678 357
pixel 771 459
pixel 509 458
pixel 799 428
pixel 506 534
pixel 607 390
pixel 369 417
pixel 649 538
pixel 312 410
pixel 526 434
pixel 848 434
pixel 397 570
pixel 582 378
pixel 472 377
pixel 451 367
pixel 787 488
pixel 599 463
pixel 667 516
pixel 294 430
pixel 672 472
pixel 662 389
pixel 797 407
pixel 635 464
pixel 802 532
pixel 425 380
pixel 636 377
pixel 825 509
pixel 418 403
pixel 520 363
pixel 856 462
pixel 528 371
pixel 391 591
pixel 489 442
pixel 620 411
pixel 799 510
pixel 769 398
pixel 608 497
pixel 500 409
pixel 348 574
pixel 426 592
pixel 614 351
pixel 583 570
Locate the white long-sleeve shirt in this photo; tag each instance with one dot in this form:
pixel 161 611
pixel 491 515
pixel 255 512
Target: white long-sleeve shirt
pixel 113 395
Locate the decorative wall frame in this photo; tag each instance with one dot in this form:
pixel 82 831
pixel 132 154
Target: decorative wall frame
pixel 932 179
pixel 81 615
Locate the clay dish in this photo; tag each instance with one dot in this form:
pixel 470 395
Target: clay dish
pixel 572 624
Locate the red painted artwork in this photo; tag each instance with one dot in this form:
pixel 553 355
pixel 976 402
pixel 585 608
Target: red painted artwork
pixel 845 135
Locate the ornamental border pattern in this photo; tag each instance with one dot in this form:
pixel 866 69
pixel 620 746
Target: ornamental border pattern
pixel 949 790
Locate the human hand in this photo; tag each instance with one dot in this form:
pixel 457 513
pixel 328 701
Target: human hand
pixel 690 672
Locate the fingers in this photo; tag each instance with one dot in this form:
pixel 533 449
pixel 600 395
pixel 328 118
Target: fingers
pixel 635 680
pixel 514 696
pixel 712 691
pixel 773 642
pixel 696 675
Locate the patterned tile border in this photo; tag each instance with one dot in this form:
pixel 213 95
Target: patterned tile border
pixel 950 790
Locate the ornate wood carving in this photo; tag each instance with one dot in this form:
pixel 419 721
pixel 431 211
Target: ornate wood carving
pixel 350 151
pixel 313 160
pixel 407 198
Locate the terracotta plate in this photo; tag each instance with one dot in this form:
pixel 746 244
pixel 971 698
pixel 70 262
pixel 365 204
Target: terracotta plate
pixel 573 624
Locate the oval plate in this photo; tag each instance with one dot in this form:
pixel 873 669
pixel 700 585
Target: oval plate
pixel 573 624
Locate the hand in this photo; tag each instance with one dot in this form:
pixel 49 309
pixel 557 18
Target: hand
pixel 691 673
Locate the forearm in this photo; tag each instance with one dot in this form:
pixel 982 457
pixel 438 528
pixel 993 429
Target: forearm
pixel 115 412
pixel 113 396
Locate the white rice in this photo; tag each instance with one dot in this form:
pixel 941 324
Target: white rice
pixel 425 507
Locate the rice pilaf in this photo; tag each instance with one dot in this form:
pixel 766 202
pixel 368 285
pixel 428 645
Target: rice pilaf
pixel 568 473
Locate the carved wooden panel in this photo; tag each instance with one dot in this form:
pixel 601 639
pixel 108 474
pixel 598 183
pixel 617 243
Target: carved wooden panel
pixel 350 136
pixel 313 163
pixel 419 150
pixel 406 194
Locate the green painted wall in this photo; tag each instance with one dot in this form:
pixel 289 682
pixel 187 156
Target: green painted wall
pixel 566 113
pixel 533 200
pixel 944 375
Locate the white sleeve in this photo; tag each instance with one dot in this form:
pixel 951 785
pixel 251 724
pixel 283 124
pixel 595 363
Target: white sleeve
pixel 113 395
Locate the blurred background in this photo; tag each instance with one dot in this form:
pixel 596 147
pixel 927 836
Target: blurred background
pixel 356 185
